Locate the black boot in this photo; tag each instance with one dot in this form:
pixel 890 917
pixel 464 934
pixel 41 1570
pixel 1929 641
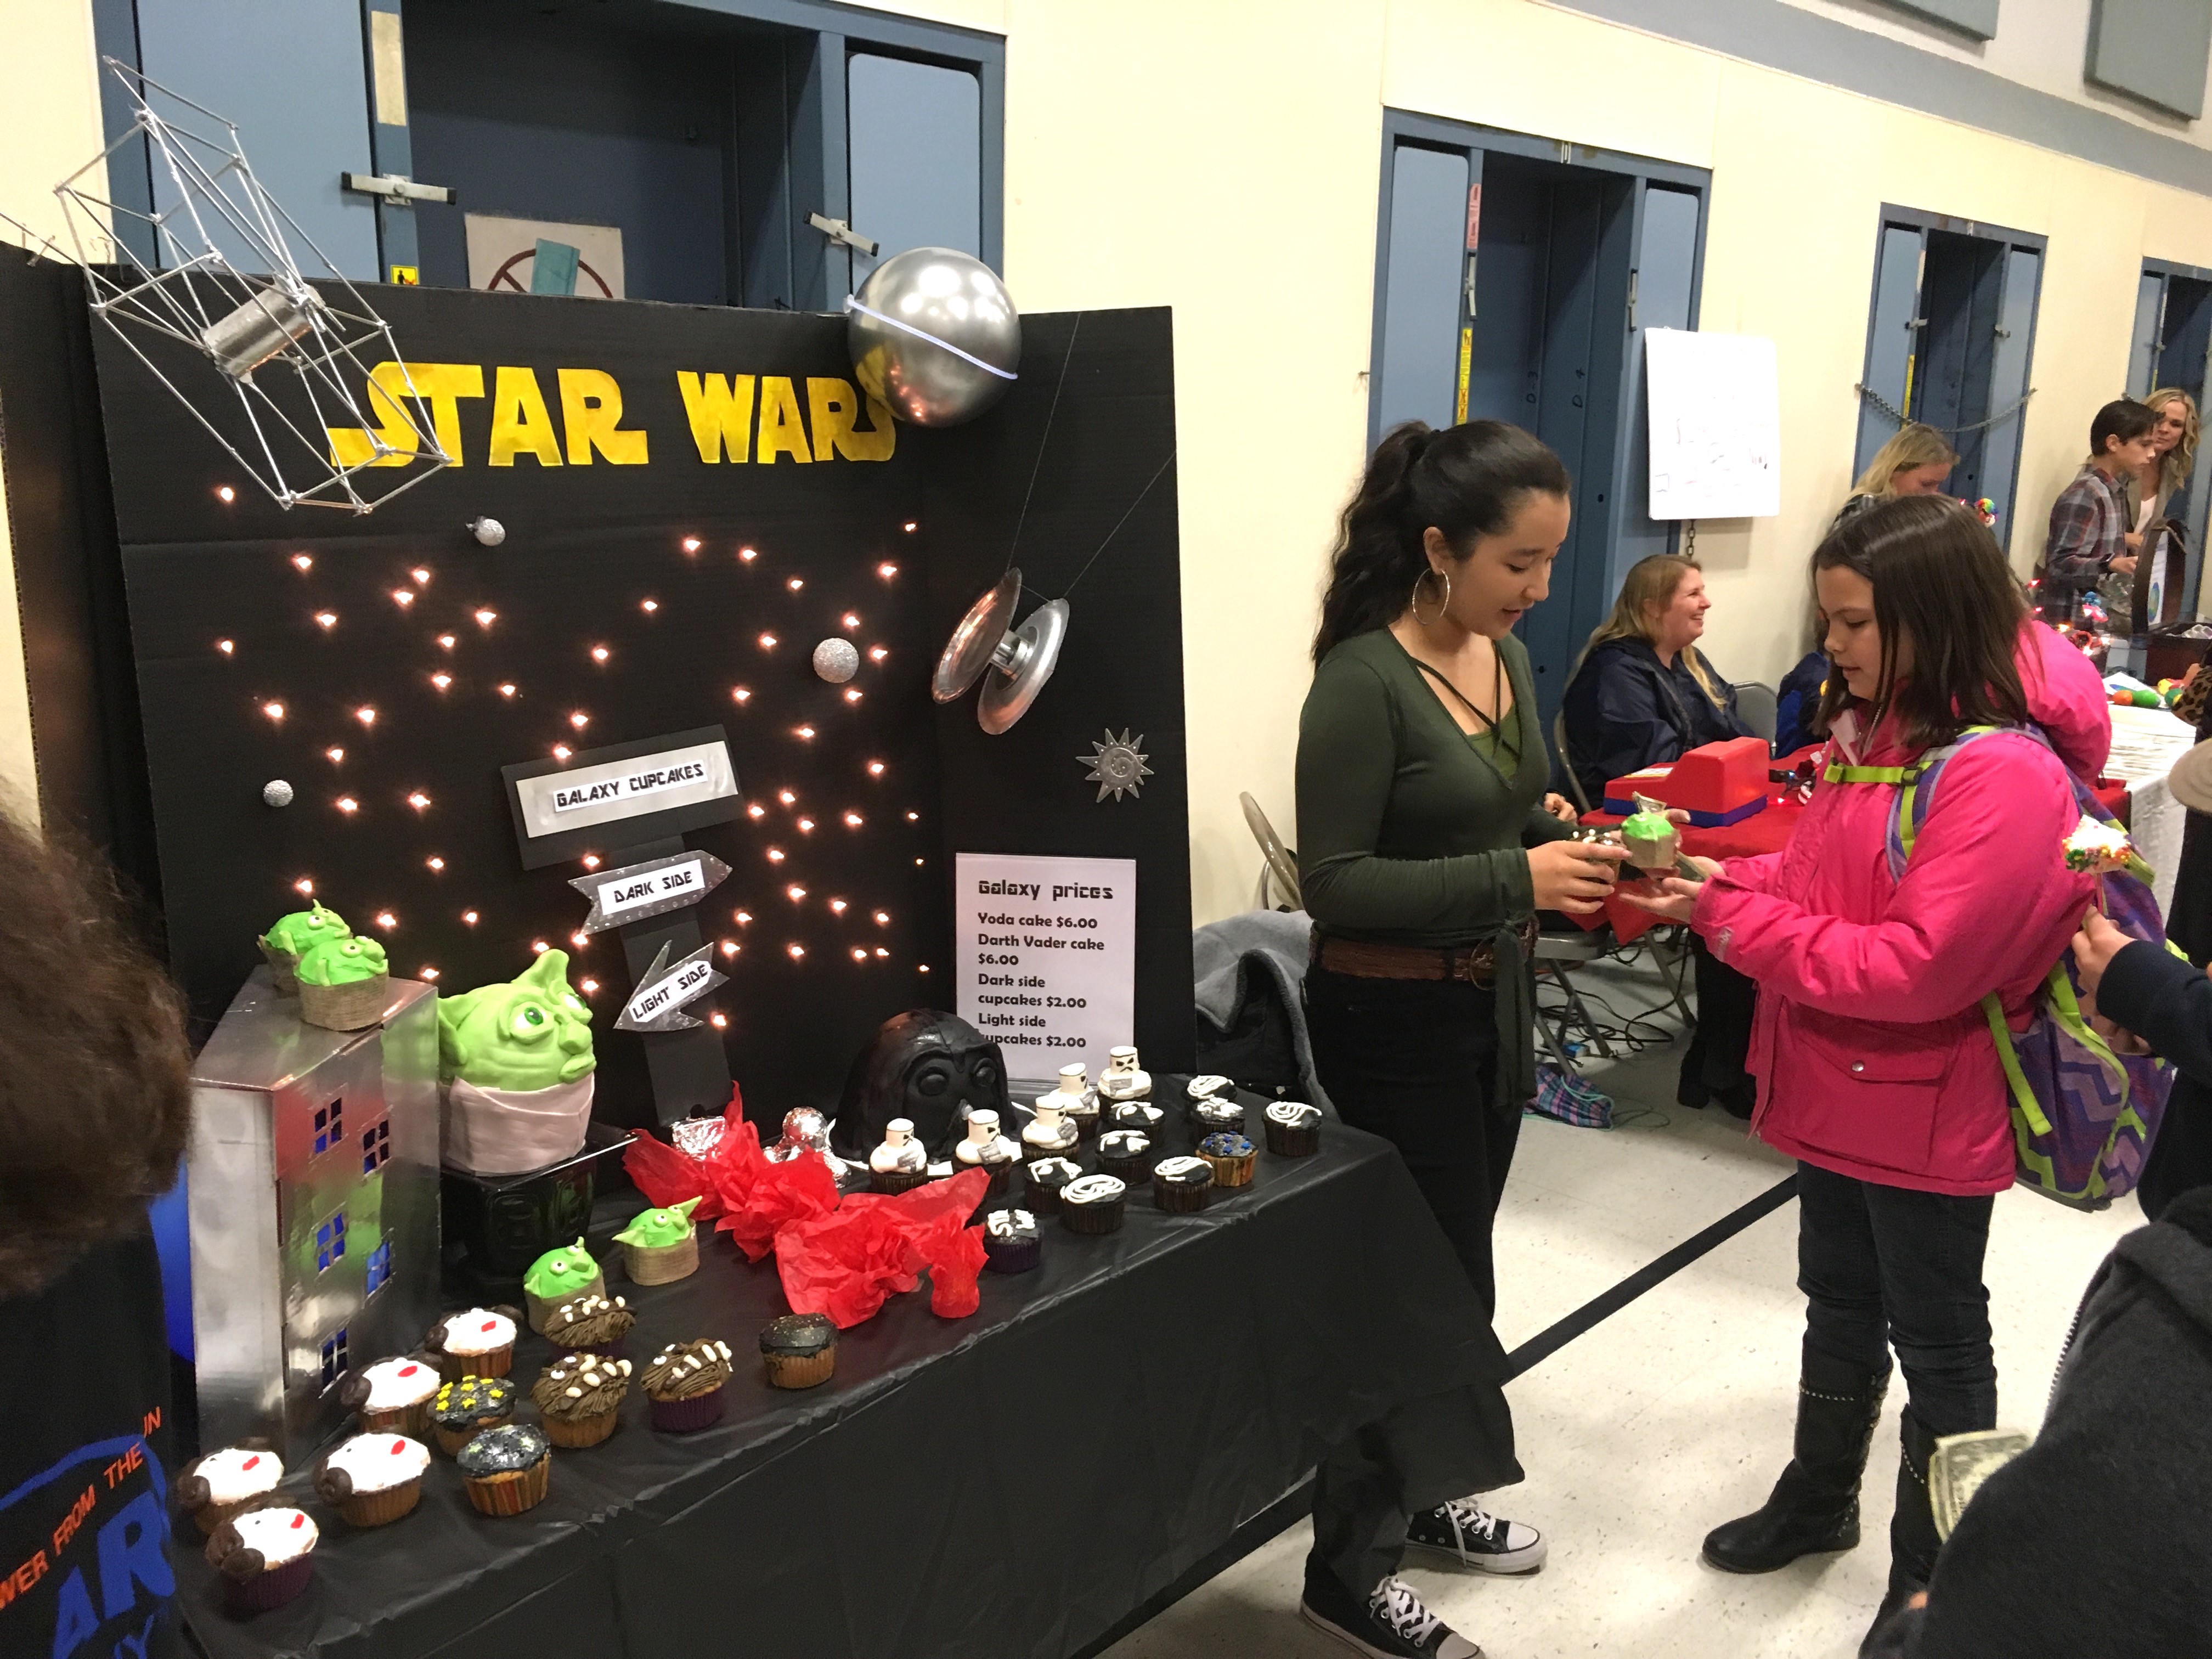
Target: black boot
pixel 1912 1539
pixel 1816 1504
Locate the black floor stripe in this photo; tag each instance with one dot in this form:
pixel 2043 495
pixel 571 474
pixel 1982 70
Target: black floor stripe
pixel 1541 1346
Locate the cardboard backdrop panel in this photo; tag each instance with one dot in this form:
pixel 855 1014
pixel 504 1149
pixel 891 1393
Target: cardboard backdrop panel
pixel 387 667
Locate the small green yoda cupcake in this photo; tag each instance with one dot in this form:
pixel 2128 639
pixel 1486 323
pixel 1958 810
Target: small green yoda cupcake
pixel 292 937
pixel 560 1276
pixel 661 1246
pixel 344 984
pixel 1653 842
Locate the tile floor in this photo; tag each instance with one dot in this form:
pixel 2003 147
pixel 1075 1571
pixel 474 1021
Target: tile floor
pixel 1671 1416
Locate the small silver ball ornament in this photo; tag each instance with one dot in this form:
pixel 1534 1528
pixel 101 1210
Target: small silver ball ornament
pixel 276 793
pixel 488 532
pixel 836 661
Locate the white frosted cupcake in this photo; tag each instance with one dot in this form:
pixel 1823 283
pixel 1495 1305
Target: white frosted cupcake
pixel 373 1479
pixel 264 1558
pixel 479 1342
pixel 393 1395
pixel 224 1484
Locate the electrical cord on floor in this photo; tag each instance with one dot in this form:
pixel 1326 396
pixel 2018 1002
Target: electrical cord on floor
pixel 1631 1035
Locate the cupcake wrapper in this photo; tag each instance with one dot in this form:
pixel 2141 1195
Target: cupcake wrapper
pixel 1231 1171
pixel 1016 1258
pixel 574 1432
pixel 285 965
pixel 682 1416
pixel 350 1007
pixel 270 1587
pixel 543 1308
pixel 451 1440
pixel 800 1371
pixel 1045 1201
pixel 209 1517
pixel 892 1182
pixel 378 1509
pixel 496 1362
pixel 1094 1218
pixel 662 1264
pixel 1129 1169
pixel 1286 1142
pixel 413 1421
pixel 511 1494
pixel 1177 1199
pixel 1002 1176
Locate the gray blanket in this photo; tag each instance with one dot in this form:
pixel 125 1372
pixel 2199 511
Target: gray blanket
pixel 1225 956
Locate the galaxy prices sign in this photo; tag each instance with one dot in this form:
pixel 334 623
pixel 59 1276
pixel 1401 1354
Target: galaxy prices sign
pixel 1047 956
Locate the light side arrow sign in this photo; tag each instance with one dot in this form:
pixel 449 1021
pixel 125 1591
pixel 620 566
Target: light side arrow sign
pixel 662 991
pixel 638 890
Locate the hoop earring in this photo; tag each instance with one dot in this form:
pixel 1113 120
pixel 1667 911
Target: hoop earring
pixel 1443 604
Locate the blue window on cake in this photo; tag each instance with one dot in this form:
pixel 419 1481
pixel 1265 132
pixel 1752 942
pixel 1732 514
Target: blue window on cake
pixel 380 1267
pixel 329 1125
pixel 375 1148
pixel 334 1356
pixel 330 1242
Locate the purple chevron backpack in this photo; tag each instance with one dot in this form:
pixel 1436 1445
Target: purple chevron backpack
pixel 2083 1118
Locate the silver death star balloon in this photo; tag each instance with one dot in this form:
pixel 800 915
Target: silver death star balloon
pixel 1115 764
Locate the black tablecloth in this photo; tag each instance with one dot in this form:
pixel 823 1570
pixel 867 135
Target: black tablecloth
pixel 1010 1484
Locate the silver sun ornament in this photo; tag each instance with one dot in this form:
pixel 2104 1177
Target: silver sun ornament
pixel 275 352
pixel 1117 764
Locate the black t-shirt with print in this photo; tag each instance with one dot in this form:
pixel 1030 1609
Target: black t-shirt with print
pixel 86 1461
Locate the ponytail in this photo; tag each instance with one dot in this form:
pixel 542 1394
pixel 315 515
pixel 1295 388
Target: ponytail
pixel 1465 481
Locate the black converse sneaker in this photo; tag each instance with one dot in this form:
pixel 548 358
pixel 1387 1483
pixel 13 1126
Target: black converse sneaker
pixel 1479 1539
pixel 1394 1625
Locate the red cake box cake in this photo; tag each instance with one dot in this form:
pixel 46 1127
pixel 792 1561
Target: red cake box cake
pixel 1715 783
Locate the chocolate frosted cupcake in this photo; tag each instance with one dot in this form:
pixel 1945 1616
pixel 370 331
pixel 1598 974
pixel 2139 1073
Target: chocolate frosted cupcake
pixel 683 1385
pixel 393 1395
pixel 461 1411
pixel 1205 1085
pixel 1180 1185
pixel 1293 1128
pixel 1011 1242
pixel 1047 1177
pixel 1139 1115
pixel 1218 1115
pixel 578 1395
pixel 1231 1156
pixel 227 1483
pixel 592 1324
pixel 799 1350
pixel 1094 1204
pixel 507 1470
pixel 477 1343
pixel 373 1479
pixel 1123 1154
pixel 264 1558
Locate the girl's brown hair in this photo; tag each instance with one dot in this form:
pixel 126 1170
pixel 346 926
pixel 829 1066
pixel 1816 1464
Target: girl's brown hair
pixel 1939 581
pixel 94 1073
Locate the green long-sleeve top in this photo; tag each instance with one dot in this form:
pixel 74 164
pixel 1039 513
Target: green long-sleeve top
pixel 1410 832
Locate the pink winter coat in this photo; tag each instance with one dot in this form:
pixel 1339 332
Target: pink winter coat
pixel 1873 1055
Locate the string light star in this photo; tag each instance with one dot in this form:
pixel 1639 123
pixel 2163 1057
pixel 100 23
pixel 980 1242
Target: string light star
pixel 767 641
pixel 226 647
pixel 748 554
pixel 795 893
pixel 402 597
pixel 580 939
pixel 326 620
pixel 225 494
pixel 740 694
pixel 430 974
pixel 775 855
pixel 347 805
pixel 579 720
pixel 756 810
pixel 366 714
pixel 729 947
pixel 853 820
pixel 304 887
pixel 877 653
pixel 442 681
pixel 858 955
pixel 386 920
pixel 743 916
pixel 796 951
pixel 591 861
pixel 435 864
pixel 335 755
pixel 887 571
pixel 910 526
pixel 837 906
pixel 883 918
pixel 796 583
pixel 806 731
pixel 561 751
pixel 600 653
pixel 588 986
pixel 787 797
pixel 691 544
pixel 507 689
pixel 486 617
pixel 469 918
pixel 421 576
pixel 852 622
pixel 273 710
pixel 447 640
pixel 806 826
pixel 302 563
pixel 648 605
pixel 875 769
pixel 418 800
pixel 538 947
pixel 718 1020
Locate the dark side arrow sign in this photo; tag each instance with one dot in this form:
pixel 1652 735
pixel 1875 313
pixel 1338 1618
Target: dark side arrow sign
pixel 638 890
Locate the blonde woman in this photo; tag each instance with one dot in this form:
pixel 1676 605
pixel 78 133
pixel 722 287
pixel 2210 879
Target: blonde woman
pixel 2152 489
pixel 1918 461
pixel 1642 692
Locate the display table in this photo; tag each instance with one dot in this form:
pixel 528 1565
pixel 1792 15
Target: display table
pixel 2146 743
pixel 1009 1484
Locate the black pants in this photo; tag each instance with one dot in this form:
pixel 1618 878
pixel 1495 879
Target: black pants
pixel 1415 1061
pixel 1713 1064
pixel 1881 1266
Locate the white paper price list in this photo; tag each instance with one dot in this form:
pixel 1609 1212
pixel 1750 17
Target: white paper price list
pixel 1047 956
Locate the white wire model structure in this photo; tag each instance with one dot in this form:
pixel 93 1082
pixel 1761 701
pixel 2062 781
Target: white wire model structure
pixel 318 452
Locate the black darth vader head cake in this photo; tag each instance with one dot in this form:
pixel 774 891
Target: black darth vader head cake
pixel 930 1066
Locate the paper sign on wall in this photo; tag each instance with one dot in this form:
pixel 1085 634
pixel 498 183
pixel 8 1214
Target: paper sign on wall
pixel 503 255
pixel 1715 407
pixel 1047 956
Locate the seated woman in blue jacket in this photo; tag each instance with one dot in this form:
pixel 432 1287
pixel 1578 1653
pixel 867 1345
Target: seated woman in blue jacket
pixel 1643 693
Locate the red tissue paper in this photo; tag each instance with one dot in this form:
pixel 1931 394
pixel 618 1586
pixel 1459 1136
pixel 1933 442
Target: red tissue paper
pixel 849 1263
pixel 760 1199
pixel 666 1176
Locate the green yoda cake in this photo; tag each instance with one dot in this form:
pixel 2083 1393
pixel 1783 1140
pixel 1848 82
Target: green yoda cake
pixel 559 1276
pixel 517 1060
pixel 293 936
pixel 661 1245
pixel 345 984
pixel 1652 840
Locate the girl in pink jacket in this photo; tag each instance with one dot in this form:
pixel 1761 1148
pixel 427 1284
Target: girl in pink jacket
pixel 1876 1069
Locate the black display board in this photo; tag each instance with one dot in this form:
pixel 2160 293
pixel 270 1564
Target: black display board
pixel 647 562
